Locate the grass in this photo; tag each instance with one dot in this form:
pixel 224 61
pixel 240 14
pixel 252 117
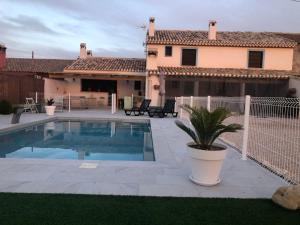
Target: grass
pixel 43 209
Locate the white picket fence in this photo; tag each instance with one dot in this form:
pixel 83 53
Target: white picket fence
pixel 271 134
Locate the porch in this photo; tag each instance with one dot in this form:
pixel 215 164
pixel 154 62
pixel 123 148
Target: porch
pixel 90 91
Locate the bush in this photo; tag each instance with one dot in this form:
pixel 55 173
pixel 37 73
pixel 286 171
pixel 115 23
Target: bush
pixel 5 107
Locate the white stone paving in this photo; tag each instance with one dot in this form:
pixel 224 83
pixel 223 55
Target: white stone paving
pixel 167 176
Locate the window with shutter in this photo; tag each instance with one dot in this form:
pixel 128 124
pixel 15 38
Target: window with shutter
pixel 188 57
pixel 255 59
pixel 168 51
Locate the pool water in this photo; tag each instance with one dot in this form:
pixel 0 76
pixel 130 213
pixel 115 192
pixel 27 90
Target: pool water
pixel 80 140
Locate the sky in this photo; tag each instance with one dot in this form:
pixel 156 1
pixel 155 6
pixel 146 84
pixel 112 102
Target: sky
pixel 55 28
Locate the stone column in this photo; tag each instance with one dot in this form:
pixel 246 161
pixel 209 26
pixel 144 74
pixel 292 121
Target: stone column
pixel 242 90
pixel 196 88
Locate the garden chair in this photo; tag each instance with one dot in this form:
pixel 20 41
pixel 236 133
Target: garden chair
pixel 139 110
pixel 30 105
pixel 169 108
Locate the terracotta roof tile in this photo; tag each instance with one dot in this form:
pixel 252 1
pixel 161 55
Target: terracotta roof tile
pixel 109 64
pixel 220 72
pixel 292 36
pixel 35 65
pixel 234 39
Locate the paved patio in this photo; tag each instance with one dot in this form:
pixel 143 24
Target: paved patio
pixel 167 176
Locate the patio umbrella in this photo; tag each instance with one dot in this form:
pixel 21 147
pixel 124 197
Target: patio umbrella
pixel 162 85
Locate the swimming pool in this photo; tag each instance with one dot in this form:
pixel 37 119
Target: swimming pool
pixel 80 140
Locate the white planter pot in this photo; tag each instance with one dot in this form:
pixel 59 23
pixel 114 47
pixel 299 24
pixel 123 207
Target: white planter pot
pixel 50 110
pixel 206 165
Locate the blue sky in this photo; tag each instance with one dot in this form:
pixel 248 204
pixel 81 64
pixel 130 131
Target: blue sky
pixel 55 28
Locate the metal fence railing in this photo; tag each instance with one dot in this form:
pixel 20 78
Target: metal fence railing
pixel 274 135
pixel 271 134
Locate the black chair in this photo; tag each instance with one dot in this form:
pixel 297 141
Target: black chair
pixel 139 110
pixel 169 108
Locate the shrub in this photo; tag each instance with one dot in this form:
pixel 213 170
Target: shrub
pixel 207 126
pixel 50 102
pixel 5 107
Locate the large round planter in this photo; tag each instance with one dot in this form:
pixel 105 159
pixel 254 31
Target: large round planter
pixel 206 165
pixel 50 110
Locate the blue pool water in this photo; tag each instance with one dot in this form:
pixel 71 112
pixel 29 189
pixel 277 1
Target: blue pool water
pixel 80 140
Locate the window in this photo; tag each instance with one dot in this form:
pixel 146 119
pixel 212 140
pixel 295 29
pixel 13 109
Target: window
pixel 175 84
pixel 255 59
pixel 168 51
pixel 99 85
pixel 137 85
pixel 188 57
pixel 188 88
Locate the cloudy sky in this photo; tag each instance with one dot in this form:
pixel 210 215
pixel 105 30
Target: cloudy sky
pixel 55 28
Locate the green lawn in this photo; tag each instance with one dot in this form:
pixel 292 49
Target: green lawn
pixel 49 209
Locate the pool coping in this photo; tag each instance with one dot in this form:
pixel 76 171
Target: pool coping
pixel 17 127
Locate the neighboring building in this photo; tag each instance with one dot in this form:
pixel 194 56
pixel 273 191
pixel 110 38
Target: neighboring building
pixel 294 81
pixel 22 77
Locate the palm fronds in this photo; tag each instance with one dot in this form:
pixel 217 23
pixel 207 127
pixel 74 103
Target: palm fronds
pixel 208 126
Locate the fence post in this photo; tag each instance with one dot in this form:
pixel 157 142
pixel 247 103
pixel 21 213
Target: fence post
pixel 113 103
pixel 36 97
pixel 69 102
pixel 191 101
pixel 132 100
pixel 181 103
pixel 246 127
pixel 208 103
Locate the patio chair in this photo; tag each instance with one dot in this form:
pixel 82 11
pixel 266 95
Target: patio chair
pixel 139 110
pixel 169 108
pixel 30 105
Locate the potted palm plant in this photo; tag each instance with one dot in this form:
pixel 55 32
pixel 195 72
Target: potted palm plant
pixel 50 107
pixel 206 156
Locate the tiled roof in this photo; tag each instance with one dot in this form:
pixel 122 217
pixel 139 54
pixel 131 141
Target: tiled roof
pixel 225 73
pixel 35 65
pixel 234 39
pixel 109 64
pixel 292 36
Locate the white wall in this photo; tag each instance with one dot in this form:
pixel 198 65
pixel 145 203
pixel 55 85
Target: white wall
pixel 53 88
pixel 126 88
pixel 223 57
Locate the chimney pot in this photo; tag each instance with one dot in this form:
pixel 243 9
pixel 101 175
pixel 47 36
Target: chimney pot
pixel 2 56
pixel 151 30
pixel 89 53
pixel 212 30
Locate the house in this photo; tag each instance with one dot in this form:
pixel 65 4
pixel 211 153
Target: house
pixel 182 63
pixel 201 63
pixel 193 63
pixel 23 77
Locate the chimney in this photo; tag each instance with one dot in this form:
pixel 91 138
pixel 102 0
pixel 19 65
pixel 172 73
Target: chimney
pixel 32 54
pixel 212 30
pixel 2 56
pixel 151 27
pixel 83 53
pixel 89 53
